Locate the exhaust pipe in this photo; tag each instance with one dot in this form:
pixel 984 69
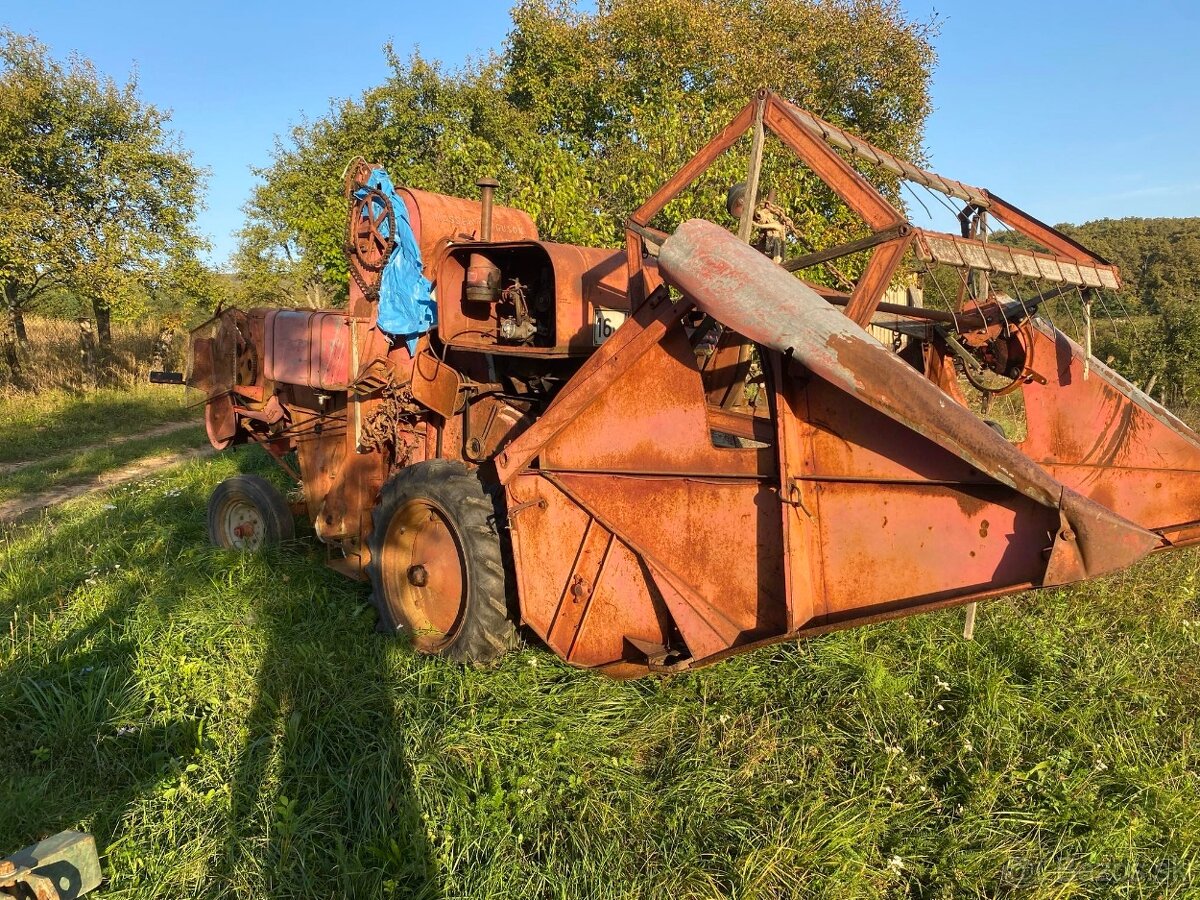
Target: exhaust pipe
pixel 487 195
pixel 483 277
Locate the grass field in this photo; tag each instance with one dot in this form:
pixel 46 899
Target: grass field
pixel 55 421
pixel 80 466
pixel 60 410
pixel 232 727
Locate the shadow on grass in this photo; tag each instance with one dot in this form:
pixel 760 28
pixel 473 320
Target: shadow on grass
pixel 67 757
pixel 323 765
pixel 291 723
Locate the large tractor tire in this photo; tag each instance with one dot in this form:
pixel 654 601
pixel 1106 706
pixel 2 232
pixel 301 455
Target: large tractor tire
pixel 247 513
pixel 436 568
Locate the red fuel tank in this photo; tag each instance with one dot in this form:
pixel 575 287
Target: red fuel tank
pixel 309 347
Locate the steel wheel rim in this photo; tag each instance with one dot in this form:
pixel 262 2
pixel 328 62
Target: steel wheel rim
pixel 424 572
pixel 243 525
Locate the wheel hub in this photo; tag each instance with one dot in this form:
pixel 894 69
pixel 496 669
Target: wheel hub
pixel 244 525
pixel 424 572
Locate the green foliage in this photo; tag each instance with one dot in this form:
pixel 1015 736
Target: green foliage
pixel 1159 258
pixel 1159 261
pixel 585 113
pixel 421 123
pixel 1172 349
pixel 96 195
pixel 231 727
pixel 28 253
pixel 1149 332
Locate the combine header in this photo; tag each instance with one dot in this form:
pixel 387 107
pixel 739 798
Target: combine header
pixel 658 457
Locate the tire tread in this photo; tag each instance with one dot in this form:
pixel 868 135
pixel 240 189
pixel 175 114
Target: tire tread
pixel 487 631
pixel 278 521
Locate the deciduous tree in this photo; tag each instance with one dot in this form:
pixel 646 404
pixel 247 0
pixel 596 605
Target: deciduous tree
pixel 102 194
pixel 585 112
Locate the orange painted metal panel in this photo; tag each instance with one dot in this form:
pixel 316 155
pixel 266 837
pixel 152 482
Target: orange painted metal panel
pixel 1108 440
pixel 719 538
pixel 886 542
pixel 309 347
pixel 436 218
pixel 653 420
pixel 558 546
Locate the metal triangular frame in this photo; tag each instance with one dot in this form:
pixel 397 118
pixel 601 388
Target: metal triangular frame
pixel 816 142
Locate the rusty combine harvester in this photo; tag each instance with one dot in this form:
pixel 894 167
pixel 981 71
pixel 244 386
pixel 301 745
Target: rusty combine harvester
pixel 658 457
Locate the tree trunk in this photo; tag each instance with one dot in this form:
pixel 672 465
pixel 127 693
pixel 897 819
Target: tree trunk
pixel 103 322
pixel 12 359
pixel 15 307
pixel 315 294
pixel 162 348
pixel 87 348
pixel 11 356
pixel 18 324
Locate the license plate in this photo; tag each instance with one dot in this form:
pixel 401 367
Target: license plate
pixel 607 321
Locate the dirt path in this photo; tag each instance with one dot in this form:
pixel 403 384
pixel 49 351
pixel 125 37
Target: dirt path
pixel 157 431
pixel 31 504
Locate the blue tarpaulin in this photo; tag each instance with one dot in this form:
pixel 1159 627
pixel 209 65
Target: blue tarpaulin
pixel 406 306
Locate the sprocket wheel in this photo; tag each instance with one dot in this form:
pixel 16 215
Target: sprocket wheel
pixel 370 237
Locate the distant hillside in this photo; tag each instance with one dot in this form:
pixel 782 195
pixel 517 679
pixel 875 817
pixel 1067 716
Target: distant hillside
pixel 1159 258
pixel 1160 268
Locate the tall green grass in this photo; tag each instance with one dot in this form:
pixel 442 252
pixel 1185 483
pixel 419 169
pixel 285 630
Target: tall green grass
pixel 232 727
pixel 56 421
pixel 80 468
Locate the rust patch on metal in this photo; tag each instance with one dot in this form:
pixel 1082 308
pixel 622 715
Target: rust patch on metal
pixel 659 520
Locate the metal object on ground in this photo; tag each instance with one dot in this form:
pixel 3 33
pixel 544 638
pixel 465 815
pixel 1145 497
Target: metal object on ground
pixel 683 451
pixel 62 867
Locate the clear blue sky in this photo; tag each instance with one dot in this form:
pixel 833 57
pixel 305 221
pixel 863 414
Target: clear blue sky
pixel 1073 110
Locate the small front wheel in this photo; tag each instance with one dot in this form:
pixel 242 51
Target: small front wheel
pixel 247 513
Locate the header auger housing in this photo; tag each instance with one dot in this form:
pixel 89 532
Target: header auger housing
pixel 658 457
